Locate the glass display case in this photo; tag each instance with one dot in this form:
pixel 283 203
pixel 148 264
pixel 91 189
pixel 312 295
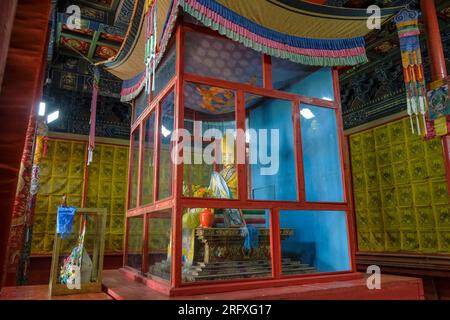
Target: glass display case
pixel 237 171
pixel 78 251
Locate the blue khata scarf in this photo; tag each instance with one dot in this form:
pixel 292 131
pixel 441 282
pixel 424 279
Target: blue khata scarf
pixel 251 240
pixel 64 221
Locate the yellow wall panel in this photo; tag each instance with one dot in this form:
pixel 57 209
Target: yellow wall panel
pixel 62 171
pixel 400 191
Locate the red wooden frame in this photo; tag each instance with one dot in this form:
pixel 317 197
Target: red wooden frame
pixel 177 202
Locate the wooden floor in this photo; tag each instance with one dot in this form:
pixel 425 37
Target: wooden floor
pixel 392 288
pixel 119 287
pixel 41 293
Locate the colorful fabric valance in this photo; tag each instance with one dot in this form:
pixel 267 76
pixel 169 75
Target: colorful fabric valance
pixel 299 31
pixel 323 52
pixel 132 87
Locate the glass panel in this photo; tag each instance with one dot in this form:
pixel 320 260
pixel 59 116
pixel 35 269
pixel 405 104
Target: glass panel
pixel 231 244
pixel 159 244
pixel 140 104
pixel 165 162
pixel 135 232
pixel 91 250
pixel 209 149
pixel 166 70
pixel 313 241
pixel 321 154
pixel 301 79
pixel 271 149
pixel 220 58
pixel 148 165
pixel 134 170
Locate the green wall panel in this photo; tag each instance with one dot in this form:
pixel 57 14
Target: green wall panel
pixel 400 191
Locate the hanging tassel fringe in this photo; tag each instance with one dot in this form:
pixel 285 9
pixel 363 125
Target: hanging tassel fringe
pixel 417 104
pixel 150 48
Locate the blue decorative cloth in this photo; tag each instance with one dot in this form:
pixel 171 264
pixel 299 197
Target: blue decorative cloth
pixel 64 221
pixel 251 240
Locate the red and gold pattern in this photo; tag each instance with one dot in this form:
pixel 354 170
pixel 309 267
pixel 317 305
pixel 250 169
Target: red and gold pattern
pixel 78 45
pixel 105 52
pixel 84 31
pixel 111 37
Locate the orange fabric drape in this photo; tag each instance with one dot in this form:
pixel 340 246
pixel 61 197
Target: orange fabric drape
pixel 21 91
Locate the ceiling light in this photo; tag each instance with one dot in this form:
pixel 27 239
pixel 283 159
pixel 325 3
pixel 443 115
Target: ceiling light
pixel 165 132
pixel 41 111
pixel 53 116
pixel 307 113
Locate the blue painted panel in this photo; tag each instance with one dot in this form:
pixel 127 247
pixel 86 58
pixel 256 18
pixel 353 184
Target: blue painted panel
pixel 320 239
pixel 318 85
pixel 321 156
pixel 282 185
pixel 300 79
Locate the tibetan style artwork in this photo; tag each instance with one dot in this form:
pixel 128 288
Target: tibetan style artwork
pixel 248 91
pixel 408 31
pixel 333 36
pixel 225 149
pixel 439 102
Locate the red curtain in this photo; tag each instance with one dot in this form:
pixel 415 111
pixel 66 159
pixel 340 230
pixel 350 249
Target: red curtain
pixel 20 95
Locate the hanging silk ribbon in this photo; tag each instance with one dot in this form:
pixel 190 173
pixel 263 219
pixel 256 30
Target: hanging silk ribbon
pixel 40 149
pixel 408 31
pixel 95 90
pixel 150 47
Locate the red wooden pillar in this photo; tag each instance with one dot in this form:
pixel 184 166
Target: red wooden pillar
pixel 436 52
pixel 20 94
pixel 7 12
pixel 437 62
pixel 177 186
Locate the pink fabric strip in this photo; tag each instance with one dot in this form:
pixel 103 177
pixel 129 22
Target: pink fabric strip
pixel 130 90
pixel 93 116
pixel 270 43
pixel 409 34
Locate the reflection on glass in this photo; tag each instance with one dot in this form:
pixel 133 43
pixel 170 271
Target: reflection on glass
pixel 148 165
pixel 270 149
pixel 134 249
pixel 88 233
pixel 221 58
pixel 302 79
pixel 222 244
pixel 134 171
pixel 166 70
pixel 140 104
pixel 321 154
pixel 159 244
pixel 313 241
pixel 209 151
pixel 165 161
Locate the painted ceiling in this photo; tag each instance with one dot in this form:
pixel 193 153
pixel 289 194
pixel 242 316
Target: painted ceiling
pixel 72 52
pixel 71 55
pixel 376 89
pixel 104 25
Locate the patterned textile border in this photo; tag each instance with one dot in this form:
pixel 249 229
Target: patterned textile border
pixel 132 88
pixel 308 51
pixel 322 52
pixel 21 205
pixel 131 37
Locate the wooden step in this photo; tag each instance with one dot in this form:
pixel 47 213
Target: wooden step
pixel 239 267
pixel 243 269
pixel 245 272
pixel 244 262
